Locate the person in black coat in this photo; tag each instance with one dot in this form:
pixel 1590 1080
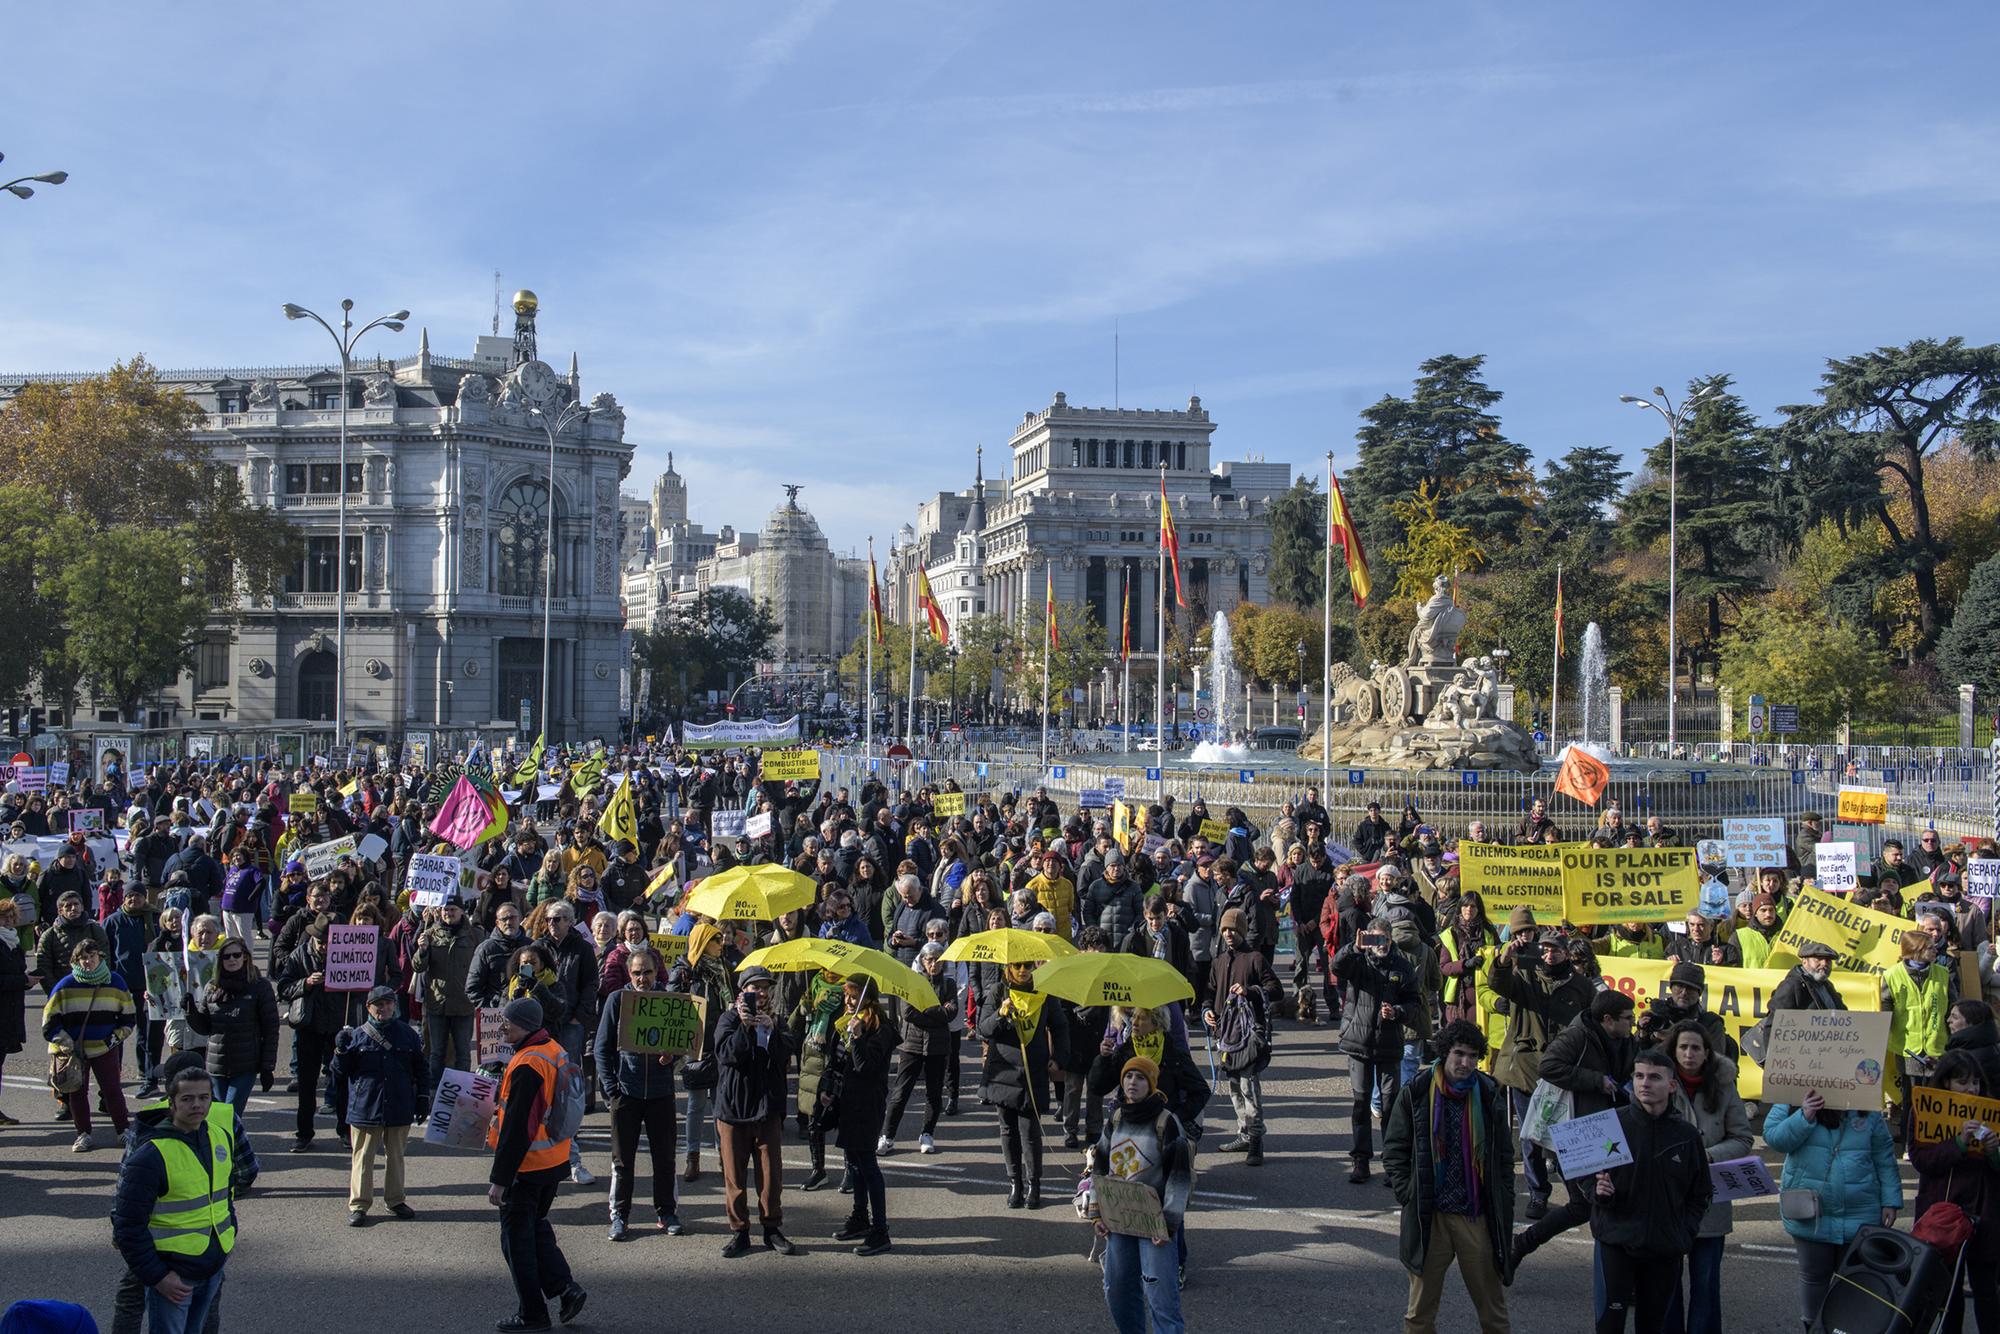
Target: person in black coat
pixel 238 1014
pixel 1085 1025
pixel 1150 1033
pixel 1379 999
pixel 1158 936
pixel 1023 1034
pixel 927 1046
pixel 858 1067
pixel 378 1073
pixel 318 1016
pixel 13 987
pixel 752 1053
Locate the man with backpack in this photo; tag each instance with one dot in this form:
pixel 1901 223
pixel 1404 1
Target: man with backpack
pixel 541 1105
pixel 1245 993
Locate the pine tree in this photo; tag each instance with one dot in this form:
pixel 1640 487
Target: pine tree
pixel 1969 649
pixel 1298 544
pixel 1578 494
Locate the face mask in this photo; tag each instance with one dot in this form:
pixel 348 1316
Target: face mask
pixel 1915 965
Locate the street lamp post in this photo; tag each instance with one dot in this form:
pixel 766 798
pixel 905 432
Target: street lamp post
pixel 1673 416
pixel 19 187
pixel 571 414
pixel 345 341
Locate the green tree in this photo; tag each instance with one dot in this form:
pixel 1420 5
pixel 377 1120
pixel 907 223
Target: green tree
pixel 1512 606
pixel 701 646
pixel 1078 654
pixel 1298 544
pixel 1274 643
pixel 1445 434
pixel 987 648
pixel 27 608
pixel 1829 668
pixel 1969 649
pixel 132 599
pixel 1578 493
pixel 1865 444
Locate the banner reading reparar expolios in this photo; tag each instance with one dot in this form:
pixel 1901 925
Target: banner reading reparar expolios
pixel 1866 941
pixel 1507 878
pixel 1628 884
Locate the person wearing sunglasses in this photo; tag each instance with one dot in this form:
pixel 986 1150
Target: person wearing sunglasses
pixel 238 1014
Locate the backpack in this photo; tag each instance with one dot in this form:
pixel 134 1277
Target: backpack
pixel 1245 1050
pixel 1945 1226
pixel 564 1116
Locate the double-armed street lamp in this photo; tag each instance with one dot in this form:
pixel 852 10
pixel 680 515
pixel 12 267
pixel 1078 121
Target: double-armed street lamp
pixel 21 189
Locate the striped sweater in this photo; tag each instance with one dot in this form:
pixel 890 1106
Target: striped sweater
pixel 95 1018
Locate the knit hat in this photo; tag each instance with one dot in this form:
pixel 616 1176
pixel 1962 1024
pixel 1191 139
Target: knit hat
pixel 1688 975
pixel 1762 901
pixel 1236 918
pixel 46 1317
pixel 1522 917
pixel 524 1012
pixel 1146 1066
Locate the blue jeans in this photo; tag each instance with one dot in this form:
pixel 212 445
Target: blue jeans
pixel 163 1317
pixel 1699 1310
pixel 1406 1071
pixel 696 1126
pixel 1139 1278
pixel 235 1090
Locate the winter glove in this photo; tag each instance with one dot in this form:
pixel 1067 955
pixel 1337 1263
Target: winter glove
pixel 265 1081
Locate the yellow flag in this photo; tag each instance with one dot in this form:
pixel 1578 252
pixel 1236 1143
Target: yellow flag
pixel 621 818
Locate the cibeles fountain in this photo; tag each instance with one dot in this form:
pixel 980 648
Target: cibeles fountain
pixel 1431 711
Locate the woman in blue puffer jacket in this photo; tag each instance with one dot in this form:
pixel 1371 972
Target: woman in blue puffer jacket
pixel 1847 1160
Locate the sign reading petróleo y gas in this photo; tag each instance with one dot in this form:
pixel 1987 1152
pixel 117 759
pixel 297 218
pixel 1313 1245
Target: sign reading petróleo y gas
pixel 1628 884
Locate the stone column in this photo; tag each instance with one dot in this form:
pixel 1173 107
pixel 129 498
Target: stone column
pixel 1503 705
pixel 1725 709
pixel 1966 715
pixel 1616 706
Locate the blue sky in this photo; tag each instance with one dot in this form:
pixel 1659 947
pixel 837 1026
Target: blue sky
pixel 840 243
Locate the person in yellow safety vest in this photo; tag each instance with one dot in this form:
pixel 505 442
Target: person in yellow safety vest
pixel 528 1165
pixel 174 1220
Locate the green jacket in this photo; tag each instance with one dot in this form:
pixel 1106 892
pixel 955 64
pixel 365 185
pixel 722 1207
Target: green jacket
pixel 1408 1162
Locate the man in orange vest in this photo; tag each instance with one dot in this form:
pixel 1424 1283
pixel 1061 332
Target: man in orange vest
pixel 528 1165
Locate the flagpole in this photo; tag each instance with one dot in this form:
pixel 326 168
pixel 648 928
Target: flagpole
pixel 1125 640
pixel 1160 666
pixel 1049 612
pixel 868 690
pixel 1555 667
pixel 1326 654
pixel 910 712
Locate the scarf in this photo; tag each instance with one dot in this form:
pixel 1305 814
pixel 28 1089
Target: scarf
pixel 1153 1047
pixel 1027 1013
pixel 545 977
pixel 1691 1082
pixel 235 981
pixel 96 977
pixel 1470 1150
pixel 11 937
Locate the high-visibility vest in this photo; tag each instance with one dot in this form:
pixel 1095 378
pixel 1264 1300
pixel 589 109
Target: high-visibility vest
pixel 542 1061
pixel 195 1206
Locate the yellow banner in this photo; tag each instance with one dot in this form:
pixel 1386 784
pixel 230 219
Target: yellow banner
pixel 1860 805
pixel 1509 877
pixel 671 949
pixel 945 805
pixel 1864 940
pixel 1214 831
pixel 1941 1114
pixel 1628 884
pixel 1742 996
pixel 790 765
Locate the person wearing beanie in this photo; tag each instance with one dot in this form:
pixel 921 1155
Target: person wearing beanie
pixel 529 1166
pixel 1144 1143
pixel 380 1065
pixel 705 973
pixel 1544 991
pixel 1244 994
pixel 1592 1058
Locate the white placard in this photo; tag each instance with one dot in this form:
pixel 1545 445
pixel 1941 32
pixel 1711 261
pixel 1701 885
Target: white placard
pixel 547 791
pixel 1590 1144
pixel 321 858
pixel 1982 878
pixel 1752 843
pixel 371 847
pixel 1835 867
pixel 433 880
pixel 1740 1179
pixel 463 1108
pixel 757 826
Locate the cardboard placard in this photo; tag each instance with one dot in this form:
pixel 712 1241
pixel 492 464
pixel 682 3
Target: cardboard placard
pixel 947 804
pixel 464 1106
pixel 490 1038
pixel 1755 843
pixel 1214 831
pixel 434 880
pixel 1130 1208
pixel 791 765
pixel 1836 867
pixel 350 957
pixel 86 817
pixel 59 774
pixel 660 1023
pixel 305 803
pixel 1741 1179
pixel 1862 805
pixel 321 858
pixel 1587 1145
pixel 1940 1114
pixel 758 825
pixel 1529 876
pixel 1629 885
pixel 1864 941
pixel 1840 1053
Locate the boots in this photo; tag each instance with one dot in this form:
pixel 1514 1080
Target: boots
pixel 1010 1149
pixel 856 1226
pixel 1255 1156
pixel 1017 1195
pixel 817 1179
pixel 1035 1173
pixel 693 1172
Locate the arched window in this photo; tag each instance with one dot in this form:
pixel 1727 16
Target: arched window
pixel 520 535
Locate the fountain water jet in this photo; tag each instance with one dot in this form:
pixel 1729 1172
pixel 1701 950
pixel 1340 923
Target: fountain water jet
pixel 1223 682
pixel 1593 691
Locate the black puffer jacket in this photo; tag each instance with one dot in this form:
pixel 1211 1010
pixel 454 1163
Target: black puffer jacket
pixel 926 1031
pixel 241 1028
pixel 1658 1198
pixel 750 1076
pixel 576 967
pixel 1366 985
pixel 1016 1075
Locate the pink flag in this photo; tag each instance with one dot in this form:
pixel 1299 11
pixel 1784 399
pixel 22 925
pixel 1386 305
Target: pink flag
pixel 464 815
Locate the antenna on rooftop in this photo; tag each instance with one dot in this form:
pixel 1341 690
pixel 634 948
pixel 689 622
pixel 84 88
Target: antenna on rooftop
pixel 498 302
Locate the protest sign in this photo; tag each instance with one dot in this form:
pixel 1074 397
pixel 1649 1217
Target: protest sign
pixel 1093 799
pixel 1864 940
pixel 165 998
pixel 660 1023
pixel 371 847
pixel 198 969
pixel 1507 878
pixel 1982 877
pixel 727 824
pixel 494 1049
pixel 1836 867
pixel 305 803
pixel 59 776
pixel 463 1108
pixel 1130 1208
pixel 547 791
pixel 758 825
pixel 1214 831
pixel 1861 805
pixel 321 858
pixel 1840 1053
pixel 1740 996
pixel 86 818
pixel 1152 844
pixel 671 948
pixel 1628 884
pixel 1586 1145
pixel 31 777
pixel 1740 1179
pixel 1754 843
pixel 350 957
pixel 1940 1114
pixel 434 880
pixel 790 765
pixel 947 804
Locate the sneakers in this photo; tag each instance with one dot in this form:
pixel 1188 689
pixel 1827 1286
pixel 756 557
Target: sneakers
pixel 738 1247
pixel 774 1240
pixel 874 1243
pixel 670 1224
pixel 817 1181
pixel 619 1231
pixel 854 1229
pixel 1360 1173
pixel 402 1211
pixel 847 1181
pixel 1538 1209
pixel 885 1145
pixel 572 1302
pixel 1241 1144
pixel 925 1144
pixel 84 1144
pixel 1070 1141
pixel 301 1145
pixel 579 1175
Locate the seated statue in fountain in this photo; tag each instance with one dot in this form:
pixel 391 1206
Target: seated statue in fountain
pixel 1458 703
pixel 1436 632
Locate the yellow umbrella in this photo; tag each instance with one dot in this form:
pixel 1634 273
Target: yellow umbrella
pixel 1007 945
pixel 1114 979
pixel 750 894
pixel 890 975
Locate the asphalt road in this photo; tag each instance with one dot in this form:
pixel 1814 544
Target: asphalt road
pixel 1288 1246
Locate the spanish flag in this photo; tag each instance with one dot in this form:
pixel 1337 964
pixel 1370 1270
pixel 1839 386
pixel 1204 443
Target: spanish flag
pixel 874 596
pixel 940 628
pixel 1340 529
pixel 1169 542
pixel 1125 621
pixel 1049 607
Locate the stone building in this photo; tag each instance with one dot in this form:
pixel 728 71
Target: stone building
pixel 448 507
pixel 788 564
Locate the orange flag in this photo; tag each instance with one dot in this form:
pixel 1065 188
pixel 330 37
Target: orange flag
pixel 1582 776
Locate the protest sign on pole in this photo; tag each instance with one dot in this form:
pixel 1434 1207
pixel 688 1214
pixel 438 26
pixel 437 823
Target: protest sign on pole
pixel 1629 885
pixel 321 858
pixel 1754 843
pixel 671 948
pixel 350 957
pixel 433 880
pixel 198 969
pixel 491 1039
pixel 1940 1114
pixel 1507 878
pixel 305 803
pixel 1982 877
pixel 1861 805
pixel 1130 1208
pixel 1863 940
pixel 464 1106
pixel 1214 831
pixel 790 765
pixel 660 1023
pixel 1839 1053
pixel 1836 867
pixel 1741 1179
pixel 59 776
pixel 1586 1145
